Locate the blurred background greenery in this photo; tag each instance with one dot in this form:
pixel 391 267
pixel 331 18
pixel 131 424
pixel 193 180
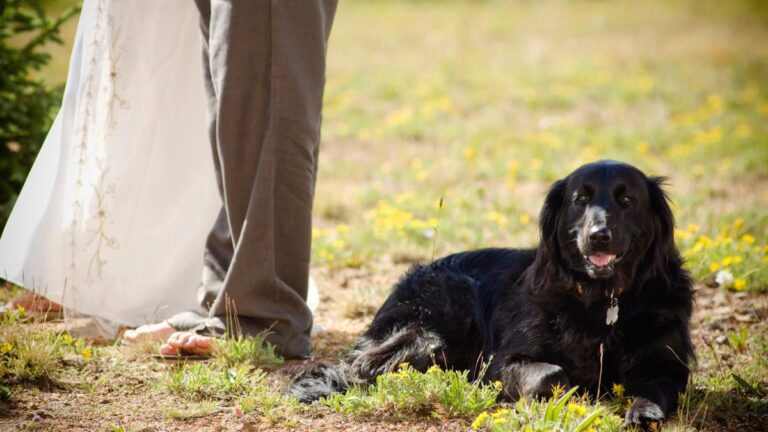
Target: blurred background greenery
pixel 30 84
pixel 480 105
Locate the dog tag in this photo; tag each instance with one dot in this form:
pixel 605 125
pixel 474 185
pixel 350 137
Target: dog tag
pixel 613 311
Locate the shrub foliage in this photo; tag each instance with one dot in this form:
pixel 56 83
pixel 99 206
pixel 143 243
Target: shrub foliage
pixel 27 103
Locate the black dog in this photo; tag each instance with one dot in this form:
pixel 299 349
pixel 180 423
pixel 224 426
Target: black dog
pixel 606 281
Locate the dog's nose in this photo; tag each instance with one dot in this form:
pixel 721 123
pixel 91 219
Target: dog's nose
pixel 600 235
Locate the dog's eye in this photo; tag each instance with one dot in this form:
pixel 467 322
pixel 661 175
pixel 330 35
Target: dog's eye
pixel 581 198
pixel 626 199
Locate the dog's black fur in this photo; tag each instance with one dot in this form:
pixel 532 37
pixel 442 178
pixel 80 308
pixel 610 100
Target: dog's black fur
pixel 539 315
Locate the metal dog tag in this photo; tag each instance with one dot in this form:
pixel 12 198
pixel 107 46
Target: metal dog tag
pixel 613 311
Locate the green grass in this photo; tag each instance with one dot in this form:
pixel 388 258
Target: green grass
pixel 189 410
pixel 37 356
pixel 562 412
pixel 197 381
pixel 722 394
pixel 437 393
pixel 254 351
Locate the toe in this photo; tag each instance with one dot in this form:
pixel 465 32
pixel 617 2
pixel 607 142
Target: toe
pixel 168 350
pixel 200 345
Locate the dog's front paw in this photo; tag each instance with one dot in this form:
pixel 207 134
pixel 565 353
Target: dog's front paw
pixel 644 413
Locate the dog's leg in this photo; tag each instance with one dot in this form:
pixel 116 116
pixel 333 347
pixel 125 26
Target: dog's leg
pixel 531 379
pixel 654 400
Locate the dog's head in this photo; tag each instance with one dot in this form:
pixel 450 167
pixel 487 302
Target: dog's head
pixel 605 219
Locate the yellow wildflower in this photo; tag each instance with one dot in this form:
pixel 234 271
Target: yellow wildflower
pixel 737 259
pixel 727 261
pixel 404 365
pixel 470 153
pixel 497 217
pixel 618 390
pixel 338 244
pixel 342 228
pixel 738 223
pixel 739 284
pixel 434 369
pixel 480 420
pixel 21 311
pixel 748 239
pixel 715 102
pixel 66 339
pixel 500 413
pixel 86 352
pixel 714 267
pixel 693 228
pixel 6 348
pixel 498 385
pixel 629 403
pixel 576 409
pixel 525 218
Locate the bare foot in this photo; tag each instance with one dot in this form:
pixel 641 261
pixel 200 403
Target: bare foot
pixel 159 332
pixel 32 302
pixel 187 342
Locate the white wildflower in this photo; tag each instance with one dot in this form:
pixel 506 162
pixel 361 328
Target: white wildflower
pixel 724 278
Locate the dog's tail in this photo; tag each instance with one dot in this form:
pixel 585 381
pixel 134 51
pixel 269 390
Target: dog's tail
pixel 319 380
pixel 367 360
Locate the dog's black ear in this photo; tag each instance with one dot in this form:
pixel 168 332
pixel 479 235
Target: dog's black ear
pixel 550 213
pixel 665 221
pixel 663 250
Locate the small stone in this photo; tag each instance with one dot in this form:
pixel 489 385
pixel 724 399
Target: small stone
pixel 721 339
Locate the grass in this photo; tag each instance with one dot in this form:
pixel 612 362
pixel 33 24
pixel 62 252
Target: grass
pixel 190 410
pixel 444 123
pixel 562 412
pixel 253 351
pixel 437 393
pixel 198 381
pixel 33 355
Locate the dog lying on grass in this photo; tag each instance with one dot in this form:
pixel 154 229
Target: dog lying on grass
pixel 603 299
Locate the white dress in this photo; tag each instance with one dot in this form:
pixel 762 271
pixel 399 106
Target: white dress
pixel 113 217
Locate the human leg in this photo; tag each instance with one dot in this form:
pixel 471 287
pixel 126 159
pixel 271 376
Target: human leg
pixel 266 70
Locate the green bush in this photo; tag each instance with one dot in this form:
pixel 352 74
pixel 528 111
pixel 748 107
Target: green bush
pixel 27 103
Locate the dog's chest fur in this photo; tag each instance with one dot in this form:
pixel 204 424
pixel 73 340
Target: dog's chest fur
pixel 579 330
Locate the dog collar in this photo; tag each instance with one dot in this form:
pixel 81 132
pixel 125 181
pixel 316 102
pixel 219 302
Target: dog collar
pixel 612 314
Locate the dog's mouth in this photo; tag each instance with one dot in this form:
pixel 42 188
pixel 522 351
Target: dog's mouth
pixel 601 264
pixel 602 259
